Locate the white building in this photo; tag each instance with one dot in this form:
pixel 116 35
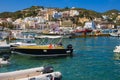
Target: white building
pixel 90 25
pixel 9 19
pixel 35 19
pixel 57 15
pixel 74 12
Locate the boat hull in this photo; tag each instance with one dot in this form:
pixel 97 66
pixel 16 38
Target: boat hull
pixel 43 52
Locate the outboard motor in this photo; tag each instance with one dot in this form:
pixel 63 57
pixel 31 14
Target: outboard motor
pixel 55 77
pixel 58 76
pixel 48 69
pixel 6 57
pixel 69 46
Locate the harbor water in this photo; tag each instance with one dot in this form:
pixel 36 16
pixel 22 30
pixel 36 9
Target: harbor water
pixel 93 60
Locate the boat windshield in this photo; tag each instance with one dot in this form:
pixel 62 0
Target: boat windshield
pixel 50 40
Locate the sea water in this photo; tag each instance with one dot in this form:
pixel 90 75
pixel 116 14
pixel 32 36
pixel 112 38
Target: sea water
pixel 93 60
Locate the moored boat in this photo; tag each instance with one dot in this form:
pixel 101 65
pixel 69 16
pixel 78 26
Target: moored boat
pixel 21 43
pixel 48 76
pixel 4 60
pixel 43 50
pixel 4 47
pixel 82 31
pixel 117 49
pixel 48 46
pixel 38 73
pixel 115 34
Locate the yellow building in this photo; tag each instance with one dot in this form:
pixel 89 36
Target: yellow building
pixel 82 20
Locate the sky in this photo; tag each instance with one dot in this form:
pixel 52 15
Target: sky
pixel 96 5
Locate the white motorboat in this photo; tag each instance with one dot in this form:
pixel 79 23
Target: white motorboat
pixel 115 34
pixel 4 47
pixel 117 49
pixel 4 60
pixel 39 73
pixel 19 36
pixel 22 44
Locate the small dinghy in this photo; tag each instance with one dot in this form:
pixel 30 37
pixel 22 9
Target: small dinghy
pixel 4 47
pixel 48 76
pixel 4 60
pixel 39 73
pixel 117 49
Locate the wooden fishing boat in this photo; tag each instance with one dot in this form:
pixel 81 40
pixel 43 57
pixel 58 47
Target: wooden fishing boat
pixel 43 50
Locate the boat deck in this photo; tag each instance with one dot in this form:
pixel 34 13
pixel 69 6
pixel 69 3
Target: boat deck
pixel 41 47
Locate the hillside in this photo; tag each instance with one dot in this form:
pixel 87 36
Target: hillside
pixel 33 11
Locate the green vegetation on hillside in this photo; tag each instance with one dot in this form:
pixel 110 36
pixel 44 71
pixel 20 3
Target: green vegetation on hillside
pixel 33 11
